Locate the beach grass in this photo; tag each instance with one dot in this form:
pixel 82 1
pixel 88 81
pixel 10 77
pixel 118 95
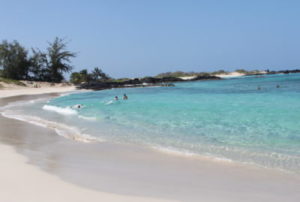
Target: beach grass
pixel 11 81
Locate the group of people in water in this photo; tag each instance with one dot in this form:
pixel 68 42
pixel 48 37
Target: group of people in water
pixel 125 97
pixel 79 106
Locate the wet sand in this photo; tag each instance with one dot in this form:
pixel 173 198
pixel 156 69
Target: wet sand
pixel 129 171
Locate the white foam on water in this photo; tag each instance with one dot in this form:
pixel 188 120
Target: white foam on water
pixel 21 103
pixel 219 159
pixel 173 151
pixel 109 102
pixel 186 153
pixel 61 129
pixel 69 111
pixel 87 118
pixel 60 110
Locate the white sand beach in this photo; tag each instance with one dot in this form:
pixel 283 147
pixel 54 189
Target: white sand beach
pixel 235 74
pixel 20 181
pixel 187 77
pixel 33 88
pixel 230 75
pixel 35 91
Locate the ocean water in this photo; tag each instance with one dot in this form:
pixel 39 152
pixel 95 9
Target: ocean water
pixel 229 119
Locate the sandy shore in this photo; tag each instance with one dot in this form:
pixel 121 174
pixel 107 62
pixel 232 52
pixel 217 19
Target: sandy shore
pixel 235 74
pixel 20 181
pixel 187 77
pixel 230 75
pixel 38 165
pixel 34 91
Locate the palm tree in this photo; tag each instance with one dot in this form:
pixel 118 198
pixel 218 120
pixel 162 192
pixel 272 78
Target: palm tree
pixel 38 69
pixel 99 75
pixel 58 60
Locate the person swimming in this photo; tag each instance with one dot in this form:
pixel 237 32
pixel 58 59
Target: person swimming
pixel 125 97
pixel 116 98
pixel 77 106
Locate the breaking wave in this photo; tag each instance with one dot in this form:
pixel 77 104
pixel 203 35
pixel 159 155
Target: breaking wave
pixel 66 131
pixel 60 110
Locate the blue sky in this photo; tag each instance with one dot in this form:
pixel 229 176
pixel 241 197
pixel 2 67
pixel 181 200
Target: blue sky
pixel 128 38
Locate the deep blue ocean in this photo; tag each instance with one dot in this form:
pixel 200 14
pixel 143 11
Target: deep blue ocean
pixel 253 119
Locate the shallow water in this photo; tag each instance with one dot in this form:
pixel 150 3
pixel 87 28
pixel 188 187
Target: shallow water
pixel 228 119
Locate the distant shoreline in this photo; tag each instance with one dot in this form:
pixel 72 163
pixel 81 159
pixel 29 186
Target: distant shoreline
pixel 168 81
pixel 35 87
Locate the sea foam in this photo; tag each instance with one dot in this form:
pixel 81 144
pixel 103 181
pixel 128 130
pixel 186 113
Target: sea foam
pixel 21 103
pixel 61 129
pixel 60 110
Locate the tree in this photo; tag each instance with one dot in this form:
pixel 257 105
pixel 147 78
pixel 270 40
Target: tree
pixel 219 72
pixel 14 60
pixel 83 76
pixel 58 59
pixel 38 69
pixel 80 77
pixel 241 71
pixel 99 75
pixel 76 78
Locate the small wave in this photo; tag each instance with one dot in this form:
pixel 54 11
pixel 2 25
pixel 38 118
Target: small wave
pixel 65 94
pixel 87 118
pixel 174 151
pixel 109 102
pixel 68 111
pixel 21 103
pixel 186 153
pixel 60 110
pixel 220 159
pixel 61 129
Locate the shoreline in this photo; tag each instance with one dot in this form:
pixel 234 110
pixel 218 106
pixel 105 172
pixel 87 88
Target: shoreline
pixel 5 93
pixel 72 133
pixel 19 167
pixel 155 171
pixel 44 186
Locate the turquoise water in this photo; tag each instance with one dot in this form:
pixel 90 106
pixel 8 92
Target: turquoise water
pixel 228 119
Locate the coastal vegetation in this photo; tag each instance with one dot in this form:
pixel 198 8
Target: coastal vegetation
pixel 214 73
pixel 97 75
pixel 181 74
pixel 98 80
pixel 16 62
pixel 11 81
